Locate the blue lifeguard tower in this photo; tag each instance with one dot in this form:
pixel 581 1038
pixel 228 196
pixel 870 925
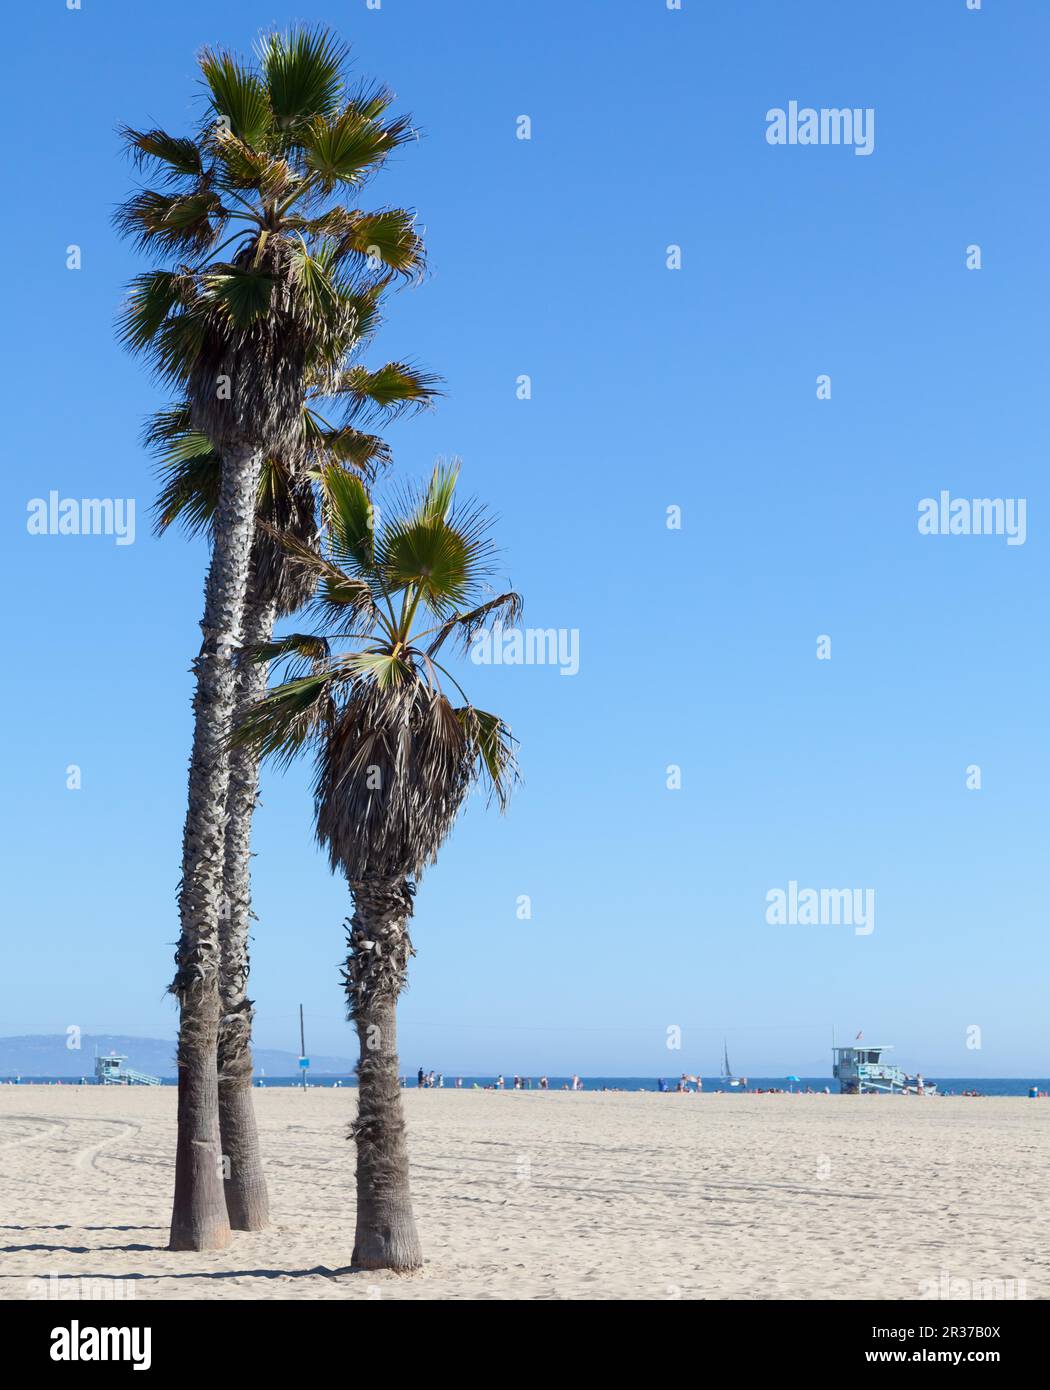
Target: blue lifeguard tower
pixel 111 1071
pixel 861 1071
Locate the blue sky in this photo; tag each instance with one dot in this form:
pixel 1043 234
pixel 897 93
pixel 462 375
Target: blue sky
pixel 651 388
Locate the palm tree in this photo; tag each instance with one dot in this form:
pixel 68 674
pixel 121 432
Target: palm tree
pixel 395 760
pixel 235 336
pixel 191 470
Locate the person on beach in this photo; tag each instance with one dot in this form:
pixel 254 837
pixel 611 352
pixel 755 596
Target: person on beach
pixel 500 1083
pixel 421 1079
pixel 543 1083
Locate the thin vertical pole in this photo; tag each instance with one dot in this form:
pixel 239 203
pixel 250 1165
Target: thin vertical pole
pixel 302 1045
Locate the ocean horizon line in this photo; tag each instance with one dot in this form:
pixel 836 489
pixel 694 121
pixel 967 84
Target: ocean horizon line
pixel 990 1085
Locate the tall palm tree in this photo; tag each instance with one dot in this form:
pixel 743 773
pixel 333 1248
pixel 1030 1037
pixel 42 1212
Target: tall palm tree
pixel 395 759
pixel 191 470
pixel 278 140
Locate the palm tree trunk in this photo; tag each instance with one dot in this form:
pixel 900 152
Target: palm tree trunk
pixel 199 1220
pixel 375 974
pixel 247 1202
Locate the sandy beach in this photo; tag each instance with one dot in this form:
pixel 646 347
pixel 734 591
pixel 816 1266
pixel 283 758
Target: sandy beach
pixel 530 1195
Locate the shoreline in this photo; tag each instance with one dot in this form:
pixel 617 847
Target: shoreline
pixel 943 1087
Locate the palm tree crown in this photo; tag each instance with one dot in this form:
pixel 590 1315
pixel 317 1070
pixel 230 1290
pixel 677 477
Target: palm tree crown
pixel 395 757
pixel 239 336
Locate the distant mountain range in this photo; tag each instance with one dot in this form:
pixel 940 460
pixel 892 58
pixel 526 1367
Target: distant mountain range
pixel 49 1055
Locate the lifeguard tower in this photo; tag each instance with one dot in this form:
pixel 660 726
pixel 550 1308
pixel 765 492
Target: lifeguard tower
pixel 111 1071
pixel 861 1071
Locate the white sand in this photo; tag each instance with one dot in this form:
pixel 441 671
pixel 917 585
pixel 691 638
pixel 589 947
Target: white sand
pixel 527 1195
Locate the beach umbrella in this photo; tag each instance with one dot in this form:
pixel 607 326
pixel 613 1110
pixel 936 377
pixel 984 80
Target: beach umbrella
pixel 794 1078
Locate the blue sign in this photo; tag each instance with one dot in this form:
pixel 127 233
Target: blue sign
pixel 304 1061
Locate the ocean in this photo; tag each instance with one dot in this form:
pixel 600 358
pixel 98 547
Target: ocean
pixel 950 1085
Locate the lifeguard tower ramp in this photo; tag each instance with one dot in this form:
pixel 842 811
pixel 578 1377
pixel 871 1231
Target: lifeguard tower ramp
pixel 111 1071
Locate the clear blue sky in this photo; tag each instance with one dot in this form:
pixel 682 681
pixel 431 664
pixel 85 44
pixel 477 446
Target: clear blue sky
pixel 651 388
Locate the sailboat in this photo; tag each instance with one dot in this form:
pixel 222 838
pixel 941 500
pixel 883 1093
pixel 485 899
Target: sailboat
pixel 728 1079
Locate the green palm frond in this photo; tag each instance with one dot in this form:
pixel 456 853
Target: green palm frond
pixel 439 551
pixel 346 149
pixel 303 73
pixel 239 166
pixel 187 223
pixel 362 307
pixel 177 346
pixel 350 519
pixel 187 447
pixel 355 316
pixel 385 669
pixel 303 652
pixel 493 744
pixel 365 453
pixel 151 300
pixel 176 155
pixel 312 274
pixel 369 99
pixel 281 725
pixel 189 468
pixel 243 296
pixel 385 393
pixel 436 502
pixel 165 426
pixel 372 239
pixel 345 598
pixel 430 558
pixel 239 95
pixel 189 491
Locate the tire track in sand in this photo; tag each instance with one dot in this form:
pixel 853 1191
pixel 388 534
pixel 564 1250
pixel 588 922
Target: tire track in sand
pixel 85 1158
